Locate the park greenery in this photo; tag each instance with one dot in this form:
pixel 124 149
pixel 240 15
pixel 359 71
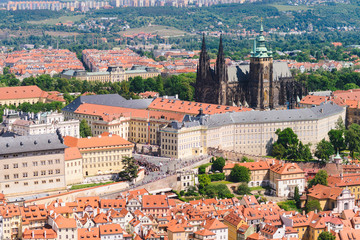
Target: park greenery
pixel 312 205
pixel 240 174
pixel 289 147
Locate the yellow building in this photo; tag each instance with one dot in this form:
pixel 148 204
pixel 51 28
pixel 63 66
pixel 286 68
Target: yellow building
pixel 259 171
pixel 102 154
pixel 234 222
pixel 327 196
pixel 113 74
pixel 22 94
pixel 343 181
pixel 135 125
pixel 11 222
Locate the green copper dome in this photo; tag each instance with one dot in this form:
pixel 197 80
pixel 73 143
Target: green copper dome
pixel 260 50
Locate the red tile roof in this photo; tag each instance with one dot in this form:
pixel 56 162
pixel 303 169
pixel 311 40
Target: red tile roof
pixel 103 140
pixel 192 108
pixel 72 153
pixel 21 92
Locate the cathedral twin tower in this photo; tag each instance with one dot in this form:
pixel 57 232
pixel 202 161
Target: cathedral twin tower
pixel 260 85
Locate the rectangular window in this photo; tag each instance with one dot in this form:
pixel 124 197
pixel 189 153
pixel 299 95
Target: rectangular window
pixel 24 164
pixel 25 174
pixel 58 179
pixel 50 161
pixel 16 175
pixel 43 181
pixel 26 184
pixel 57 161
pixel 57 171
pixel 6 166
pixel 43 172
pixel 6 176
pixel 35 164
pixel 43 162
pixel 36 182
pixel 16 165
pixel 36 173
pixel 50 172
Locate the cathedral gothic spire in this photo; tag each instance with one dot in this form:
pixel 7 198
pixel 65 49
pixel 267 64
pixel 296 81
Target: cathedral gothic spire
pixel 221 74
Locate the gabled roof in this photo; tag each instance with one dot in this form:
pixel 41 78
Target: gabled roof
pixel 88 233
pixel 323 192
pixel 110 229
pixel 154 201
pixel 286 168
pixel 213 224
pixel 21 92
pixel 63 222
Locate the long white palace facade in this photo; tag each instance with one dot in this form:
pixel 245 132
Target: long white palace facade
pixel 250 132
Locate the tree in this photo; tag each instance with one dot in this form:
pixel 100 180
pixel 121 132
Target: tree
pixel 339 125
pixel 278 151
pixel 312 205
pixel 137 85
pixel 85 130
pixel 320 178
pixel 324 150
pixel 297 197
pixel 243 189
pixel 130 169
pixel 352 138
pixel 336 138
pixel 287 137
pixel 218 164
pixel 240 174
pixel 326 236
pixel 204 179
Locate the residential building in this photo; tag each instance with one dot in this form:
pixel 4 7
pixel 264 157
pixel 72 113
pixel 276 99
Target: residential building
pixel 41 61
pixel 32 164
pixel 234 222
pixel 251 132
pixel 10 222
pixel 327 196
pixel 64 227
pixel 25 124
pixel 259 172
pixel 155 204
pixel 284 177
pixel 187 179
pixel 102 154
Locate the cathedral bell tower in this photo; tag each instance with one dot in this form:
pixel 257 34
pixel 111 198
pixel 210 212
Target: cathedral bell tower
pixel 261 75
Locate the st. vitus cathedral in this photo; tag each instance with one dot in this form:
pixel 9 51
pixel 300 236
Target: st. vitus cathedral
pixel 264 84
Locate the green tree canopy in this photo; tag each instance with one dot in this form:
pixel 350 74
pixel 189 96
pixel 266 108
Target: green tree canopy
pixel 326 236
pixel 218 164
pixel 324 150
pixel 312 205
pixel 320 178
pixel 243 189
pixel 130 169
pixel 85 130
pixel 240 174
pixel 352 138
pixel 337 139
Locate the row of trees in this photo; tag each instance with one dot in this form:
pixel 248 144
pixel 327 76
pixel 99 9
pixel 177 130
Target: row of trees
pixel 180 84
pixel 289 147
